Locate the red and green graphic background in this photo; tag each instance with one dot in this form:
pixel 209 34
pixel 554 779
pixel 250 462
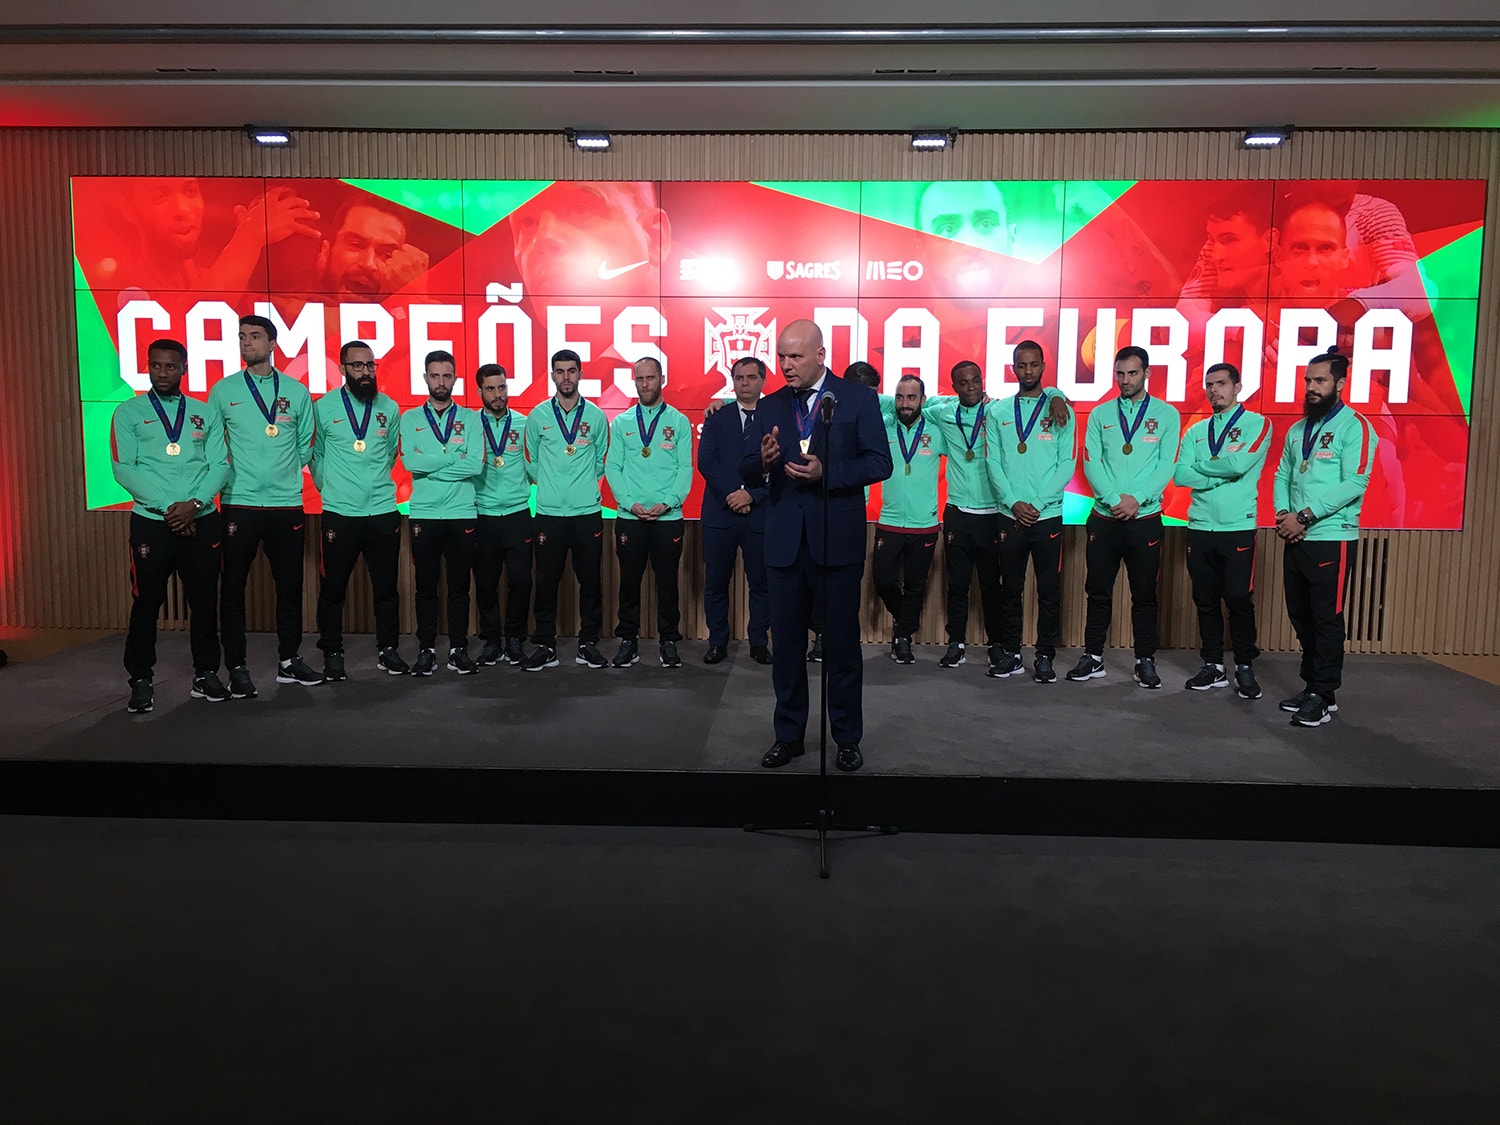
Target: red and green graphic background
pixel 910 276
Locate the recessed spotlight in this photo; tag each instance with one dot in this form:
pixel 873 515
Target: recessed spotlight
pixel 933 140
pixel 593 142
pixel 268 135
pixel 1266 138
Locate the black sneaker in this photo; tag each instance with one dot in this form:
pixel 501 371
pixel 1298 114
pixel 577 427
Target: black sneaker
pixel 390 660
pixel 515 651
pixel 901 651
pixel 630 652
pixel 953 657
pixel 1007 664
pixel 461 662
pixel 1209 676
pixel 142 698
pixel 333 667
pixel 815 654
pixel 1089 667
pixel 1145 672
pixel 1041 671
pixel 207 685
pixel 492 653
pixel 1245 685
pixel 297 671
pixel 1312 713
pixel 241 686
pixel 669 657
pixel 1295 702
pixel 426 663
pixel 589 655
pixel 541 657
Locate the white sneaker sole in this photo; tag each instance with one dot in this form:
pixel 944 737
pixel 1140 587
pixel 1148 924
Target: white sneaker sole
pixel 995 674
pixel 553 663
pixel 196 694
pixel 1096 675
pixel 452 667
pixel 591 664
pixel 1300 723
pixel 1208 687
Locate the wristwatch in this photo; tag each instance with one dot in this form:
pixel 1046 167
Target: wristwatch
pixel 197 505
pixel 1306 518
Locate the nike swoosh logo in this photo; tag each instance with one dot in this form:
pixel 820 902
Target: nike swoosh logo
pixel 1242 550
pixel 607 274
pixel 677 540
pixel 1105 426
pixel 211 546
pixel 1328 563
pixel 1153 542
pixel 297 527
pixel 528 540
pixel 1054 535
pixel 468 531
pixel 597 534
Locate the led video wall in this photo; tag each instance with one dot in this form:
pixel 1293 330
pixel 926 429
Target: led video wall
pixel 911 276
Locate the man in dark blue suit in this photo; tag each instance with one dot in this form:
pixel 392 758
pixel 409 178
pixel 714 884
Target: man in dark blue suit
pixel 734 516
pixel 785 451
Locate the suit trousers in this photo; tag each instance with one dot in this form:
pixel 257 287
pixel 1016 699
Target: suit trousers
pixel 719 547
pixel 791 590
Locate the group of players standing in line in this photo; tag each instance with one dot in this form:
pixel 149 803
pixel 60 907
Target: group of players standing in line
pixel 1008 464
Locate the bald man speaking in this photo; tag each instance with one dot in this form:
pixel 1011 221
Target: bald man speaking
pixel 786 451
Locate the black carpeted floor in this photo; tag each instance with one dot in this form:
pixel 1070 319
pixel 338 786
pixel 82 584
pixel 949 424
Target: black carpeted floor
pixel 195 972
pixel 1402 720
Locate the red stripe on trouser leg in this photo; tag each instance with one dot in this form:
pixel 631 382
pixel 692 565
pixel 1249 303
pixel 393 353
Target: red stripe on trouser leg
pixel 135 585
pixel 1338 598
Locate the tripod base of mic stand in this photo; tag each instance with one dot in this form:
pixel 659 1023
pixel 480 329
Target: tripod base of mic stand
pixel 823 824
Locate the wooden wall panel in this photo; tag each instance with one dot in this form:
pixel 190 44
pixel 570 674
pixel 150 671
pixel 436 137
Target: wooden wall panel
pixel 60 566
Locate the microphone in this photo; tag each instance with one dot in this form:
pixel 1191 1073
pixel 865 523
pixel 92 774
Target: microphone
pixel 829 402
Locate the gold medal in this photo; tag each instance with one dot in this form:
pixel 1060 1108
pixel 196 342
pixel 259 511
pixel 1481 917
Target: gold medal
pixel 806 444
pixel 173 449
pixel 908 469
pixel 1020 447
pixel 499 462
pixel 1215 457
pixel 1305 464
pixel 645 451
pixel 570 449
pixel 968 455
pixel 1126 448
pixel 272 430
pixel 359 445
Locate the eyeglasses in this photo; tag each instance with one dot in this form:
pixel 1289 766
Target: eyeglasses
pixel 358 366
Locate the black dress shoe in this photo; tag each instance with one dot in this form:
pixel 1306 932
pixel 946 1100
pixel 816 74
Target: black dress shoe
pixel 849 759
pixel 781 753
pixel 715 654
pixel 760 654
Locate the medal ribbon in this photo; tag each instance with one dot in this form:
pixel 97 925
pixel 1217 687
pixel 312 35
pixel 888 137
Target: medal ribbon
pixel 442 434
pixel 805 420
pixel 916 440
pixel 640 421
pixel 1310 440
pixel 174 431
pixel 570 437
pixel 1129 429
pixel 971 438
pixel 270 415
pixel 1024 432
pixel 360 428
pixel 496 449
pixel 1216 444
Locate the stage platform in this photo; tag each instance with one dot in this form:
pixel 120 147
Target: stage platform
pixel 634 741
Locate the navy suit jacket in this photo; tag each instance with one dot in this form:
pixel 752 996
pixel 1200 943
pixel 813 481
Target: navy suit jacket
pixel 857 455
pixel 721 448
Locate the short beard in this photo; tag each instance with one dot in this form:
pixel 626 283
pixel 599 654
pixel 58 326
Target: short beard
pixel 1316 412
pixel 906 420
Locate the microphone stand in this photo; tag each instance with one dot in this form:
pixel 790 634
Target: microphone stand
pixel 824 822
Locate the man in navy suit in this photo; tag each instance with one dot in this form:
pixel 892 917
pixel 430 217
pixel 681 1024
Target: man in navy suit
pixel 734 516
pixel 786 452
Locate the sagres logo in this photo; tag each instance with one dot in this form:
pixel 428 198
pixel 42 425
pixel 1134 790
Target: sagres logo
pixel 804 271
pixel 738 334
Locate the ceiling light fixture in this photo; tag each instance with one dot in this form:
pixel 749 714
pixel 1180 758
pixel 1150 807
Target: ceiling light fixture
pixel 1266 138
pixel 269 135
pixel 933 140
pixel 592 142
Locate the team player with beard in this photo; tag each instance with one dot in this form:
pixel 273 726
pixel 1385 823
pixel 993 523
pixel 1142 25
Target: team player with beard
pixel 1221 461
pixel 1320 486
pixel 1030 457
pixel 505 532
pixel 566 442
pixel 650 470
pixel 443 449
pixel 268 424
pixel 168 453
pixel 354 447
pixel 1128 453
pixel 906 533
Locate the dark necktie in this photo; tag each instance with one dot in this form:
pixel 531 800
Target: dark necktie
pixel 749 416
pixel 803 394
